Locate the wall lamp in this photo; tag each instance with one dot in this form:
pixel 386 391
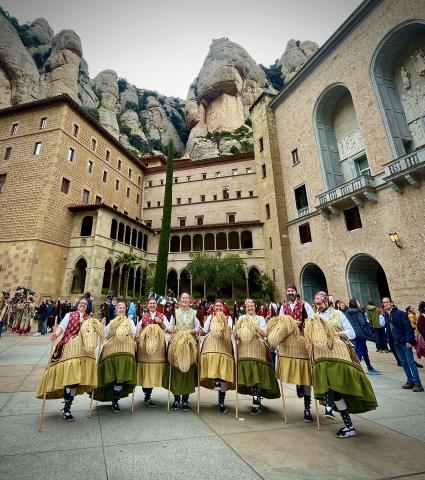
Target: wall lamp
pixel 394 238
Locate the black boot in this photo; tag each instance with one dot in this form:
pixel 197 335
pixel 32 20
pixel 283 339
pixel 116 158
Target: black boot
pixel 300 391
pixel 148 401
pixel 68 398
pixel 256 401
pixel 308 417
pixel 185 403
pixel 349 430
pixel 116 395
pixel 221 397
pixel 176 404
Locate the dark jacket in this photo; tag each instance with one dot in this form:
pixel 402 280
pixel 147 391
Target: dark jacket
pixel 400 327
pixel 360 325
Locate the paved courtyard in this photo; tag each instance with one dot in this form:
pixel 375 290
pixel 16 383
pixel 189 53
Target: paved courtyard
pixel 154 443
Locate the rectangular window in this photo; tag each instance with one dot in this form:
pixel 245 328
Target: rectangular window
pixel 138 198
pixel 14 129
pixel 182 222
pixel 352 218
pixel 214 197
pixel 238 194
pixel 202 198
pixel 267 211
pixel 261 142
pixel 2 182
pixel 295 158
pixel 305 233
pixel 98 200
pixel 225 193
pixel 248 169
pixel 37 148
pixel 158 203
pixel 150 183
pixel 43 123
pixel 301 200
pixel 139 181
pixel 179 201
pixel 217 174
pixel 251 193
pixel 130 172
pixel 148 204
pixel 188 178
pixel 119 163
pixel 176 179
pixel 107 155
pixel 274 275
pixel 200 220
pixel 90 166
pixel 104 176
pixel 65 185
pixel 93 144
pixel 85 196
pixel 128 192
pixel 71 153
pixel 231 217
pixel 148 223
pixel 204 176
pixel 161 182
pixel 189 200
pixel 271 243
pixel 234 171
pixel 75 130
pixel 117 184
pixel 7 153
pixel 263 170
pixel 362 165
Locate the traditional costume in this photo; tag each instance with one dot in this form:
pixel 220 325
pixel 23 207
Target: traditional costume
pixel 183 382
pixel 256 375
pixel 117 363
pixel 28 311
pixel 338 379
pixel 72 369
pixel 151 353
pixel 217 360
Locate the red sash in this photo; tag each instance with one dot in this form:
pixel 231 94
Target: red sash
pixel 148 320
pixel 71 331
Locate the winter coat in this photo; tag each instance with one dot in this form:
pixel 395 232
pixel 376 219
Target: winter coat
pixel 400 327
pixel 373 316
pixel 360 325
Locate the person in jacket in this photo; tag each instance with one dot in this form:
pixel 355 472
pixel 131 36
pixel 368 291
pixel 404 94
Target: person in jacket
pixel 373 314
pixel 404 339
pixel 363 332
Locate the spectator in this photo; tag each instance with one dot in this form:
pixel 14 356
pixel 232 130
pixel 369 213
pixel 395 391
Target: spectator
pixel 411 315
pixel 404 340
pixel 363 332
pixel 373 315
pixel 42 319
pixel 89 310
pixel 421 329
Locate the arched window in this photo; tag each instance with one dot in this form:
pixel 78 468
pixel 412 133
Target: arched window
pixel 107 276
pixel 79 277
pixel 175 243
pixel 209 241
pixel 198 243
pixel 172 283
pixel 139 240
pixel 145 242
pixel 114 228
pixel 134 237
pixel 127 235
pixel 234 240
pixel 221 241
pixel 121 232
pixel 86 226
pixel 246 239
pixel 186 243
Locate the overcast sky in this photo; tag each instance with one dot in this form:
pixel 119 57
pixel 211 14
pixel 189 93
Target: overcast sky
pixel 161 44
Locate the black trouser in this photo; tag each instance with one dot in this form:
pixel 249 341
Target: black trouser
pixel 380 338
pixel 147 392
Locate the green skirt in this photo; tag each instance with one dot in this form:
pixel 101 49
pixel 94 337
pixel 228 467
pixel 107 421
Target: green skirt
pixel 347 379
pixel 181 383
pixel 119 368
pixel 255 373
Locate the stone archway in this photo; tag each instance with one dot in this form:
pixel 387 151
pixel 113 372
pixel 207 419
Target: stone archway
pixel 253 287
pixel 172 283
pixel 79 277
pixel 313 280
pixel 366 280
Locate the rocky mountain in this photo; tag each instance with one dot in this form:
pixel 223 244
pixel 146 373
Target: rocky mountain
pixel 214 120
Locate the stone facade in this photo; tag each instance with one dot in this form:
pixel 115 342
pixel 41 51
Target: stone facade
pixel 335 99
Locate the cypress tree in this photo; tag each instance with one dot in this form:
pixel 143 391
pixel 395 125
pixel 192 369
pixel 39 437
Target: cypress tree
pixel 164 239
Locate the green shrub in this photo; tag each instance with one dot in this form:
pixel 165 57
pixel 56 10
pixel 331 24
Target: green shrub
pixel 122 84
pixel 124 129
pixel 93 112
pixel 234 150
pixel 131 106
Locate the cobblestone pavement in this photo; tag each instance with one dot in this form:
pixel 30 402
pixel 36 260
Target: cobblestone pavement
pixel 154 443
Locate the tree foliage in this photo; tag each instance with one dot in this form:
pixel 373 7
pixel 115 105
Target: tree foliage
pixel 93 112
pixel 274 74
pixel 164 239
pixel 122 84
pixel 266 286
pixel 217 271
pixel 129 260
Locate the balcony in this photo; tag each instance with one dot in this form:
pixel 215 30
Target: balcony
pixel 302 212
pixel 354 192
pixel 407 169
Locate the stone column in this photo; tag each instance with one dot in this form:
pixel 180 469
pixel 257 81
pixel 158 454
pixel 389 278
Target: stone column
pixel 140 284
pixel 119 282
pixel 190 286
pixel 205 291
pixel 134 285
pixel 247 286
pixel 111 278
pixel 178 286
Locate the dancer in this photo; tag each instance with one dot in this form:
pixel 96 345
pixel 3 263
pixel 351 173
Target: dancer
pixel 72 369
pixel 182 353
pixel 117 362
pixel 255 372
pixel 151 357
pixel 338 378
pixel 217 361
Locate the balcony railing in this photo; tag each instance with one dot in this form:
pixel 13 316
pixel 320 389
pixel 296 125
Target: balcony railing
pixel 302 212
pixel 354 192
pixel 407 169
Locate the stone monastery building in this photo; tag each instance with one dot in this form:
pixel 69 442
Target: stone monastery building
pixel 332 197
